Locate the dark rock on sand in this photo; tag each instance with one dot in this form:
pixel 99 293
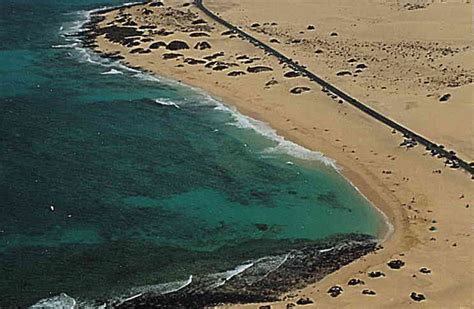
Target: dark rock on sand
pixel 265 307
pixel 255 25
pixel 157 45
pixel 149 27
pixel 290 305
pixel 335 291
pixel 310 27
pixel 299 90
pixel 355 281
pixel 177 45
pixel 368 292
pixel 156 4
pixel 396 264
pixel 220 67
pixel 291 74
pixel 361 66
pixel 334 34
pixel 139 51
pixel 275 41
pixel 258 69
pixel 304 301
pixel 193 61
pixel 228 32
pixel 171 56
pixel 199 21
pixel 425 270
pixel 445 97
pixel 202 45
pixel 319 51
pixel 343 73
pixel 214 56
pixel 271 82
pixel 417 296
pixel 236 73
pixel 376 274
pixel 163 32
pixel 199 34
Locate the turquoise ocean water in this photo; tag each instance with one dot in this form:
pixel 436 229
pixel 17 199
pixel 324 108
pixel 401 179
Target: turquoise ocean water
pixel 111 179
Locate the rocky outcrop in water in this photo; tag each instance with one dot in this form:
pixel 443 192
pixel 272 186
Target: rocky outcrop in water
pixel 261 283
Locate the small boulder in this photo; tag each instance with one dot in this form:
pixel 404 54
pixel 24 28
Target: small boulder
pixel 156 4
pixel 376 274
pixel 361 66
pixel 291 74
pixel 157 45
pixel 335 291
pixel 310 27
pixel 171 56
pixel 355 281
pixel 236 73
pixel 396 264
pixel 417 296
pixel 368 292
pixel 343 73
pixel 425 270
pixel 255 25
pixel 274 41
pixel 445 97
pixel 199 21
pixel 299 90
pixel 304 301
pixel 333 34
pixel 202 45
pixel 199 34
pixel 177 45
pixel 265 307
pixel 258 69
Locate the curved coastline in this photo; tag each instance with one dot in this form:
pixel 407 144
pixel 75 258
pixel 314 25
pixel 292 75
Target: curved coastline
pixel 389 232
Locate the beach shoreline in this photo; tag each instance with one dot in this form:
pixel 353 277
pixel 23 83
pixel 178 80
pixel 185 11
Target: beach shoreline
pixel 295 123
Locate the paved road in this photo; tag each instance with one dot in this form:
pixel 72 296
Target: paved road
pixel 411 136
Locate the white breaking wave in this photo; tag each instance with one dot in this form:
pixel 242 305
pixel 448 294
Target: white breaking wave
pixel 222 278
pixel 167 102
pixel 112 72
pixel 283 145
pixel 62 301
pixel 65 45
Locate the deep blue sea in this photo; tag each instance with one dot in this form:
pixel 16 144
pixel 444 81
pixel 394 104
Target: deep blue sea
pixel 112 180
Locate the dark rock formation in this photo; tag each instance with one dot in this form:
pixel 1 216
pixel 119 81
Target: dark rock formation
pixel 202 45
pixel 334 34
pixel 319 51
pixel 368 292
pixel 236 73
pixel 425 270
pixel 157 45
pixel 445 97
pixel 361 66
pixel 275 41
pixel 396 264
pixel 199 34
pixel 351 60
pixel 304 301
pixel 147 27
pixel 140 50
pixel 291 74
pixel 156 4
pixel 310 27
pixel 199 21
pixel 228 32
pixel 307 264
pixel 255 25
pixel 193 61
pixel 214 56
pixel 376 274
pixel 355 281
pixel 258 69
pixel 335 291
pixel 171 56
pixel 299 90
pixel 220 67
pixel 265 307
pixel 417 296
pixel 271 83
pixel 163 32
pixel 343 73
pixel 177 45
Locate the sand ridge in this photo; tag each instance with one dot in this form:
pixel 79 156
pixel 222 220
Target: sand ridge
pixel 428 203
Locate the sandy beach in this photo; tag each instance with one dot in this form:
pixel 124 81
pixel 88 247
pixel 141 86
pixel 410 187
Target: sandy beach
pixel 410 60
